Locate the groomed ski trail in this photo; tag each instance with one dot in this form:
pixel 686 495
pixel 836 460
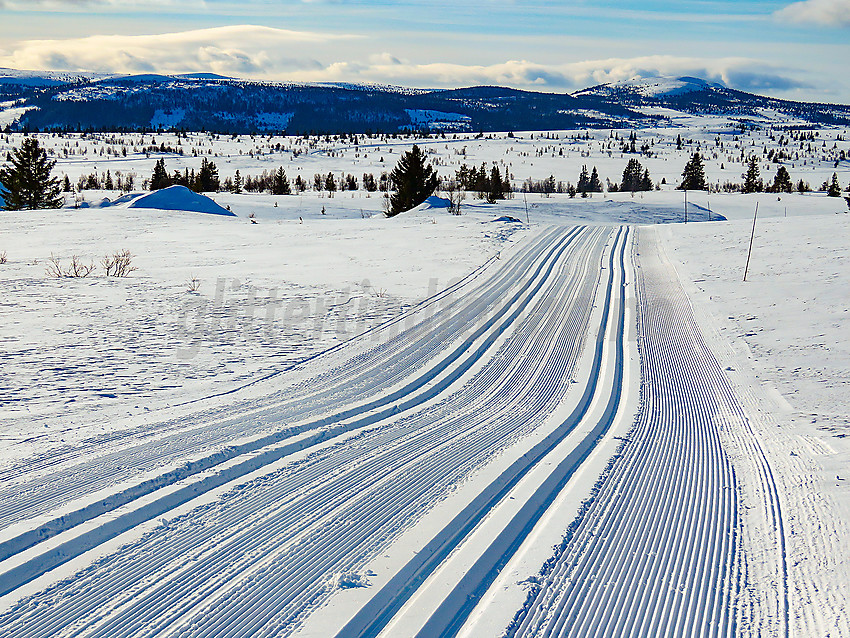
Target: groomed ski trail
pixel 658 550
pixel 260 559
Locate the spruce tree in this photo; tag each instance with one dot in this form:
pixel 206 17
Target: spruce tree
pixel 497 187
pixel 782 182
pixel 834 188
pixel 237 182
pixel 583 181
pixel 693 175
pixel 160 178
pixel 414 180
pixel 632 176
pixel 280 183
pixel 752 178
pixel 207 180
pixel 595 184
pixel 27 184
pixel 330 183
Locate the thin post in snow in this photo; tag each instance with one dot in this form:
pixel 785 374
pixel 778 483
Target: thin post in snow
pixel 708 203
pixel 686 206
pixel 752 236
pixel 525 200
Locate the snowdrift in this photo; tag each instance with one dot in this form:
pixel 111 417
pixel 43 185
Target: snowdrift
pixel 436 202
pixel 179 198
pixel 431 203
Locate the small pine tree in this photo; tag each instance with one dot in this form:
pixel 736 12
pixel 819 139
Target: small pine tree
pixel 693 177
pixel 27 184
pixel 782 182
pixel 237 182
pixel 414 180
pixel 496 190
pixel 280 183
pixel 595 184
pixel 752 178
pixel 632 176
pixel 66 185
pixel 160 178
pixel 330 183
pixel 583 181
pixel 207 180
pixel 834 188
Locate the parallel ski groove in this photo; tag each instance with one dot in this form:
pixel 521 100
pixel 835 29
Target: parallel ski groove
pixel 657 551
pixel 115 600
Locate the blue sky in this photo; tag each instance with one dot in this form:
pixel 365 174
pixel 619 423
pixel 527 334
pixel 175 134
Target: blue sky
pixel 788 49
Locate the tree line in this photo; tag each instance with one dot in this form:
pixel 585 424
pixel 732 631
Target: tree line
pixel 26 181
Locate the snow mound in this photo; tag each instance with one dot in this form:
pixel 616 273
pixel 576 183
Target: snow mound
pixel 430 204
pixel 348 580
pixel 509 219
pixel 436 202
pixel 179 198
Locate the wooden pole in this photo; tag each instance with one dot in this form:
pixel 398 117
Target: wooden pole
pixel 686 207
pixel 525 199
pixel 752 236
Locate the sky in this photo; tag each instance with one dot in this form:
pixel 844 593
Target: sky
pixel 794 50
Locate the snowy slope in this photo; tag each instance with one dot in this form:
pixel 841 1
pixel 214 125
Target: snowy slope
pixel 650 87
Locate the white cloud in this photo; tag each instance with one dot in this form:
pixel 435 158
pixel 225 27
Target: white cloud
pixel 827 12
pixel 743 73
pixel 275 54
pixel 235 50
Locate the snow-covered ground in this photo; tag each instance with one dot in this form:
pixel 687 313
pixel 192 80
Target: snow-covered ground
pixel 79 353
pixel 120 396
pixel 783 335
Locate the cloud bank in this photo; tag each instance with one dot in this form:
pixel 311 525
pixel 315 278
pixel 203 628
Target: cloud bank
pixel 834 13
pixel 233 50
pixel 741 73
pixel 275 54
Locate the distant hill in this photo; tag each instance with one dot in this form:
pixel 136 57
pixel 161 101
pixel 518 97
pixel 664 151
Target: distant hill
pixel 77 101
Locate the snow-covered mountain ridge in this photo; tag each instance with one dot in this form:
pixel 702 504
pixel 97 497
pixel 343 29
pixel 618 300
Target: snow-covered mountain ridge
pixel 83 101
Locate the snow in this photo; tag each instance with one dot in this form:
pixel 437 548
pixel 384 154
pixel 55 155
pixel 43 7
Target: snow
pixel 179 198
pixel 787 328
pixel 265 411
pixel 88 357
pixel 435 201
pixel 652 86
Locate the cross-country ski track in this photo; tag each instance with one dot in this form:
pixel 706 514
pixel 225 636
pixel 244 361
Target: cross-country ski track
pixel 395 485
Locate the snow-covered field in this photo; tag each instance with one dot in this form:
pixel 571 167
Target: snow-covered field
pixel 310 419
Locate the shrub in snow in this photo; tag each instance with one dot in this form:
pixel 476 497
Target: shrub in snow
pixel 76 269
pixel 119 264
